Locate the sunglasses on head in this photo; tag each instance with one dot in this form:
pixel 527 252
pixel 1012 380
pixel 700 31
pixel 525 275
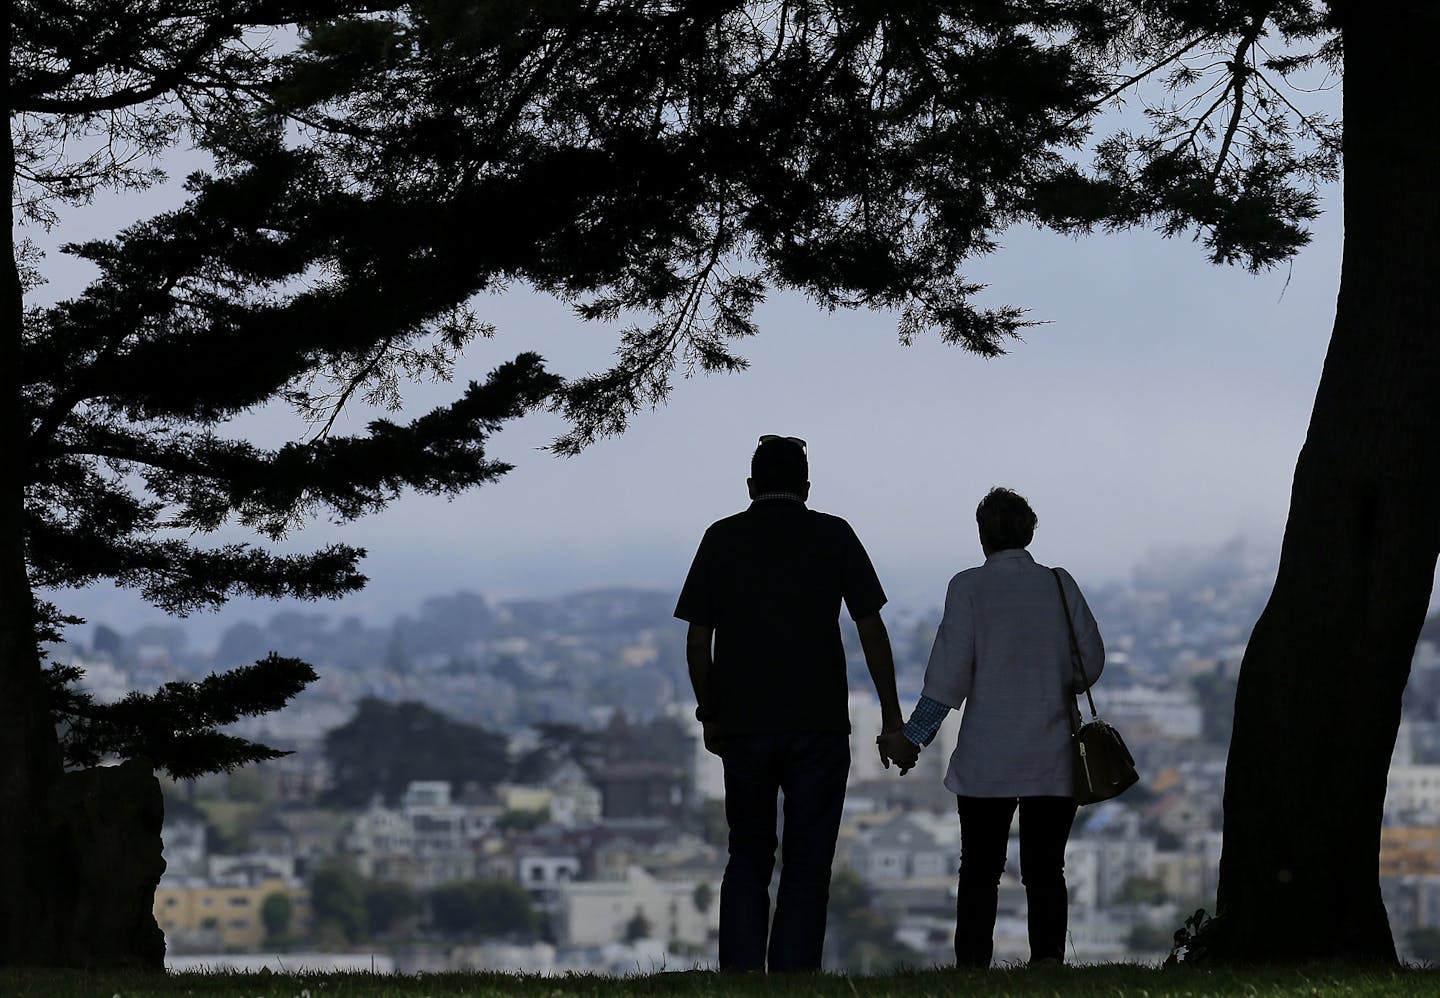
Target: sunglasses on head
pixel 765 438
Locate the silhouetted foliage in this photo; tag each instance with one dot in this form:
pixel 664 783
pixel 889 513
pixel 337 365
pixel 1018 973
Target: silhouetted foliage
pixel 174 729
pixel 386 746
pixel 117 398
pixel 672 163
pixel 1191 941
pixel 676 162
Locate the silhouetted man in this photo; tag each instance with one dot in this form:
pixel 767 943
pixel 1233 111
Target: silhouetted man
pixel 766 586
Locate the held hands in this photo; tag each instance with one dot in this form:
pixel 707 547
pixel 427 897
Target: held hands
pixel 712 737
pixel 895 747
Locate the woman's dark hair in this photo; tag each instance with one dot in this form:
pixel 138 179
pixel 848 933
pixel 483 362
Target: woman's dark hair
pixel 779 466
pixel 1006 520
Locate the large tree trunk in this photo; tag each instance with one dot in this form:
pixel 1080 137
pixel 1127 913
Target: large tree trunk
pixel 80 853
pixel 1318 704
pixel 29 753
pixel 32 884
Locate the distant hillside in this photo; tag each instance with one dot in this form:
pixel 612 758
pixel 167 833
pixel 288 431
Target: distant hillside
pixel 449 625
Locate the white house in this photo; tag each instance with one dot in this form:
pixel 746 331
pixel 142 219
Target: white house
pixel 574 799
pixel 596 913
pixel 1144 709
pixel 1412 795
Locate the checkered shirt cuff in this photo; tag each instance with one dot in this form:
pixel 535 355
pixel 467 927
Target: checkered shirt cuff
pixel 925 720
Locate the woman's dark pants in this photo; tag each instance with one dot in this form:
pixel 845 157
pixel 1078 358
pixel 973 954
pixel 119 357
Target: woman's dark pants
pixel 984 834
pixel 810 768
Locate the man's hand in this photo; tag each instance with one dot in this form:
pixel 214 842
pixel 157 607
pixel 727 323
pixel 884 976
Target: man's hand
pixel 700 658
pixel 895 747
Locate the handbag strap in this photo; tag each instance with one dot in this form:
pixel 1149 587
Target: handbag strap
pixel 1076 660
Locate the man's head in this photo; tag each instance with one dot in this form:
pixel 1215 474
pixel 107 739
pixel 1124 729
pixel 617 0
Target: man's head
pixel 1005 520
pixel 780 465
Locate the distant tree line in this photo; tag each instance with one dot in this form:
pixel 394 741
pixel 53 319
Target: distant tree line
pixel 350 909
pixel 862 936
pixel 386 746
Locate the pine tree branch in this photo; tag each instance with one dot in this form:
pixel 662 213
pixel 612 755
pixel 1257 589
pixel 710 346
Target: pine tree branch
pixel 204 481
pixel 175 728
pixel 83 56
pixel 1137 78
pixel 352 384
pixel 1239 69
pixel 178 577
pixel 1330 142
pixel 181 67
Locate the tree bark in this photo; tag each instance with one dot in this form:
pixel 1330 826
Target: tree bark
pixel 31 884
pixel 1318 703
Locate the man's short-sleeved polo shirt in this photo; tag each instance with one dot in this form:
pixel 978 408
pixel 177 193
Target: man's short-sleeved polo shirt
pixel 770 581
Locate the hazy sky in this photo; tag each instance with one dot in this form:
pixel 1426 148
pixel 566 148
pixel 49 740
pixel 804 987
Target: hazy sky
pixel 1163 404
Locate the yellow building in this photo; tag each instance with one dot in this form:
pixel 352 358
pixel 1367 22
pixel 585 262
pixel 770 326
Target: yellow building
pixel 1409 850
pixel 232 913
pixel 515 797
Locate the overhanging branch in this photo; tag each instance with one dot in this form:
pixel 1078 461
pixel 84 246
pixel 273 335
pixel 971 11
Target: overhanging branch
pixel 1239 70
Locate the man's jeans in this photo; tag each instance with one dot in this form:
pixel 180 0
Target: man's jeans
pixel 810 767
pixel 984 834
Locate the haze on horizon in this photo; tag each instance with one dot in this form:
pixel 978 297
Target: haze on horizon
pixel 1161 405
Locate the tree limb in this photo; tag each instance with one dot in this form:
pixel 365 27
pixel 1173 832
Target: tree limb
pixel 1239 69
pixel 1144 74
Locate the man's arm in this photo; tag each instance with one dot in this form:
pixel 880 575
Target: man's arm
pixel 875 643
pixel 698 655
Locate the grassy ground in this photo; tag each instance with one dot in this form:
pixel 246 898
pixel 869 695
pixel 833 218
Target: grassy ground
pixel 1110 980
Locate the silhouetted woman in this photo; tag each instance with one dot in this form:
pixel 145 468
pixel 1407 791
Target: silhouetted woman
pixel 1003 651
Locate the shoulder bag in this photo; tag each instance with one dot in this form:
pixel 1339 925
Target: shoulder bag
pixel 1104 767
